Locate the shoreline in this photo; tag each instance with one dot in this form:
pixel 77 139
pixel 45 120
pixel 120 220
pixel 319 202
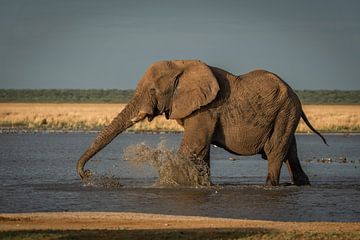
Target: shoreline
pixel 147 221
pixel 129 225
pixel 5 130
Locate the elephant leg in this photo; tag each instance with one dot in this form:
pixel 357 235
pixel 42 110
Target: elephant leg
pixel 296 172
pixel 195 145
pixel 276 157
pixel 276 148
pixel 274 169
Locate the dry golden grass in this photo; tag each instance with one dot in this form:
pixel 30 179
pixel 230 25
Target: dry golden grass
pixel 71 117
pixel 332 118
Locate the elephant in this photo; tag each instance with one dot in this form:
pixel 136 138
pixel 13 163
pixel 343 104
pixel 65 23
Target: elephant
pixel 248 114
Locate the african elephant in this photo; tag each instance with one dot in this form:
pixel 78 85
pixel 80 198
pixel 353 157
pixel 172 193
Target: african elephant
pixel 253 113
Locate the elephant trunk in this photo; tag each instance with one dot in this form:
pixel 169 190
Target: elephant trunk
pixel 125 119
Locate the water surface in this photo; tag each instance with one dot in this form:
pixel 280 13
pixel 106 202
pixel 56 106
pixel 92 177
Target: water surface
pixel 37 173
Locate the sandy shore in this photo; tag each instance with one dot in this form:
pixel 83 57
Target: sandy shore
pixel 141 221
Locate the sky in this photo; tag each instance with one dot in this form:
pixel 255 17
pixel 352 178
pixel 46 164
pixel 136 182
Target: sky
pixel 110 43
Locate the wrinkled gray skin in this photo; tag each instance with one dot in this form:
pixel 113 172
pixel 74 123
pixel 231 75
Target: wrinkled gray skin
pixel 254 113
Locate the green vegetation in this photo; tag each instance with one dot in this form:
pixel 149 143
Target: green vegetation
pixel 65 95
pixel 175 234
pixel 123 96
pixel 329 96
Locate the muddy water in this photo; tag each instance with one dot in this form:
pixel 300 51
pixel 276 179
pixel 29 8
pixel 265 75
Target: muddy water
pixel 37 173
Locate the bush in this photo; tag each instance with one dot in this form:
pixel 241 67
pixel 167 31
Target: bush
pixel 65 95
pixel 123 96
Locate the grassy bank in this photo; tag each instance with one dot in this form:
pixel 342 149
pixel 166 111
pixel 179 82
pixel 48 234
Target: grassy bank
pixel 245 234
pixel 123 225
pixel 94 116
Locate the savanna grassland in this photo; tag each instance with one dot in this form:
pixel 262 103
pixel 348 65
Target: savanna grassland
pixel 93 116
pixel 71 116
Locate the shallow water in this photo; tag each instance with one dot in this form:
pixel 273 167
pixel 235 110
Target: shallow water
pixel 37 173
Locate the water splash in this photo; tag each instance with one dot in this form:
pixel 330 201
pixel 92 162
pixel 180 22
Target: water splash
pixel 172 168
pixel 103 181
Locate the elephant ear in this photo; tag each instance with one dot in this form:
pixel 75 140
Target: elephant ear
pixel 196 87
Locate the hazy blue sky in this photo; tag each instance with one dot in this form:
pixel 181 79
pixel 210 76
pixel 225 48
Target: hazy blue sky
pixel 109 43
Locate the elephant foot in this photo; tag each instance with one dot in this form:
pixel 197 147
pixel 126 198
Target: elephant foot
pixel 301 180
pixel 203 181
pixel 272 181
pixel 286 184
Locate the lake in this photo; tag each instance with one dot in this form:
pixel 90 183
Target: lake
pixel 37 173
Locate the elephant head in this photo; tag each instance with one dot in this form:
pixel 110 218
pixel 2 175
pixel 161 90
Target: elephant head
pixel 174 88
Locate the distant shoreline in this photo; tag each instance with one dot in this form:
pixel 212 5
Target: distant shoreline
pixel 323 97
pixel 85 117
pixel 58 131
pixel 4 130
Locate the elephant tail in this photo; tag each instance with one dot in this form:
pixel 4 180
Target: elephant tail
pixel 306 120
